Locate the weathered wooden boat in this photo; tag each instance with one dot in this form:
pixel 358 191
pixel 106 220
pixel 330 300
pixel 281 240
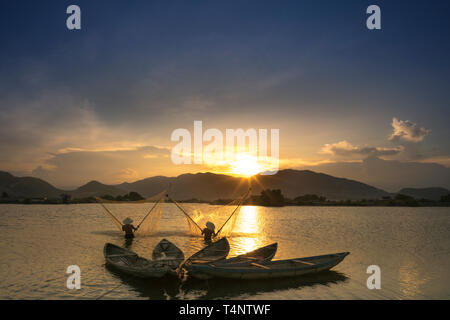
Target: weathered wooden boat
pixel 215 251
pixel 168 253
pixel 129 262
pixel 271 269
pixel 259 255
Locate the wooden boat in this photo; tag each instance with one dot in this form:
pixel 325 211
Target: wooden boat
pixel 168 253
pixel 271 269
pixel 259 255
pixel 130 263
pixel 215 251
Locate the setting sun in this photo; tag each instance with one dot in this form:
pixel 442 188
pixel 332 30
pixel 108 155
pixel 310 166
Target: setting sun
pixel 246 165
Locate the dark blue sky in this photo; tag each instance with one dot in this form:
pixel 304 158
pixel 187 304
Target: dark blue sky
pixel 310 68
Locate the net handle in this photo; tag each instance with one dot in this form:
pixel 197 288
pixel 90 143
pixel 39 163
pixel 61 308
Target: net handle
pixel 185 213
pixel 234 211
pixel 156 203
pixel 109 212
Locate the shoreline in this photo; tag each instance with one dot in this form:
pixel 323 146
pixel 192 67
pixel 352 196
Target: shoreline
pixel 411 205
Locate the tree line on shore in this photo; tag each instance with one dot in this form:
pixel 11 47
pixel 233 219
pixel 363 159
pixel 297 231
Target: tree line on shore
pixel 275 198
pixel 267 198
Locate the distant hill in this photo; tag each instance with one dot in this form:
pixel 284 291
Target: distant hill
pixel 30 187
pixel 95 188
pixel 204 186
pixel 300 182
pixel 26 187
pixel 425 193
pixel 147 187
pixel 390 175
pixel 209 186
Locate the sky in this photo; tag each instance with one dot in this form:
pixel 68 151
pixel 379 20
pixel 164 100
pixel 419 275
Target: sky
pixel 102 102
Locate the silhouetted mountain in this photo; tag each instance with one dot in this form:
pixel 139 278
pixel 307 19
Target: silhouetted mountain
pixel 205 186
pixel 425 193
pixel 26 187
pixel 148 186
pixel 95 188
pixel 210 186
pixel 293 183
pixel 390 175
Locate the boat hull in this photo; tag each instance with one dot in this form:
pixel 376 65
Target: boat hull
pixel 214 252
pixel 270 270
pixel 169 254
pixel 128 262
pixel 259 255
pixel 151 272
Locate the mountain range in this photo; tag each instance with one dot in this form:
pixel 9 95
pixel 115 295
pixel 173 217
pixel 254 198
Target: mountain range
pixel 390 175
pixel 209 186
pixel 425 193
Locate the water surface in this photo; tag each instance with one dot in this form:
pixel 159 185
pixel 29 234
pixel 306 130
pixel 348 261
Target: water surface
pixel 410 245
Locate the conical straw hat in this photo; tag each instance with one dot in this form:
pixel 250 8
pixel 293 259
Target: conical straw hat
pixel 127 220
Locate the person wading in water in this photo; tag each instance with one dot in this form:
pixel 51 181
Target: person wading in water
pixel 128 228
pixel 208 232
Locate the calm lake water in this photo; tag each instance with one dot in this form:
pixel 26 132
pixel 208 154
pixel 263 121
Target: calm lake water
pixel 410 245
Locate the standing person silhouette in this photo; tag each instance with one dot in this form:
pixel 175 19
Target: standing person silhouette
pixel 128 228
pixel 208 232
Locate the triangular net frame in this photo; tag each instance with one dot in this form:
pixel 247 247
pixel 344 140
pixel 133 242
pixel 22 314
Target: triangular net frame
pixel 229 211
pixel 149 224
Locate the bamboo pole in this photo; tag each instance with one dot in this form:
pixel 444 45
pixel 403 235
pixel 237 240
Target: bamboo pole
pixel 234 211
pixel 109 212
pixel 159 200
pixel 186 214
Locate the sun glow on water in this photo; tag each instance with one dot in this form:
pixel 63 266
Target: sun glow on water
pixel 247 231
pixel 248 220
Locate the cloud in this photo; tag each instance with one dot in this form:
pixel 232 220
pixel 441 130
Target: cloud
pixel 345 149
pixel 59 122
pixel 407 131
pixel 70 168
pixel 75 167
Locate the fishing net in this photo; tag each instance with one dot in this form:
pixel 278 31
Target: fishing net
pixel 228 226
pixel 224 217
pixel 152 213
pixel 150 223
pixel 195 225
pixel 110 214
